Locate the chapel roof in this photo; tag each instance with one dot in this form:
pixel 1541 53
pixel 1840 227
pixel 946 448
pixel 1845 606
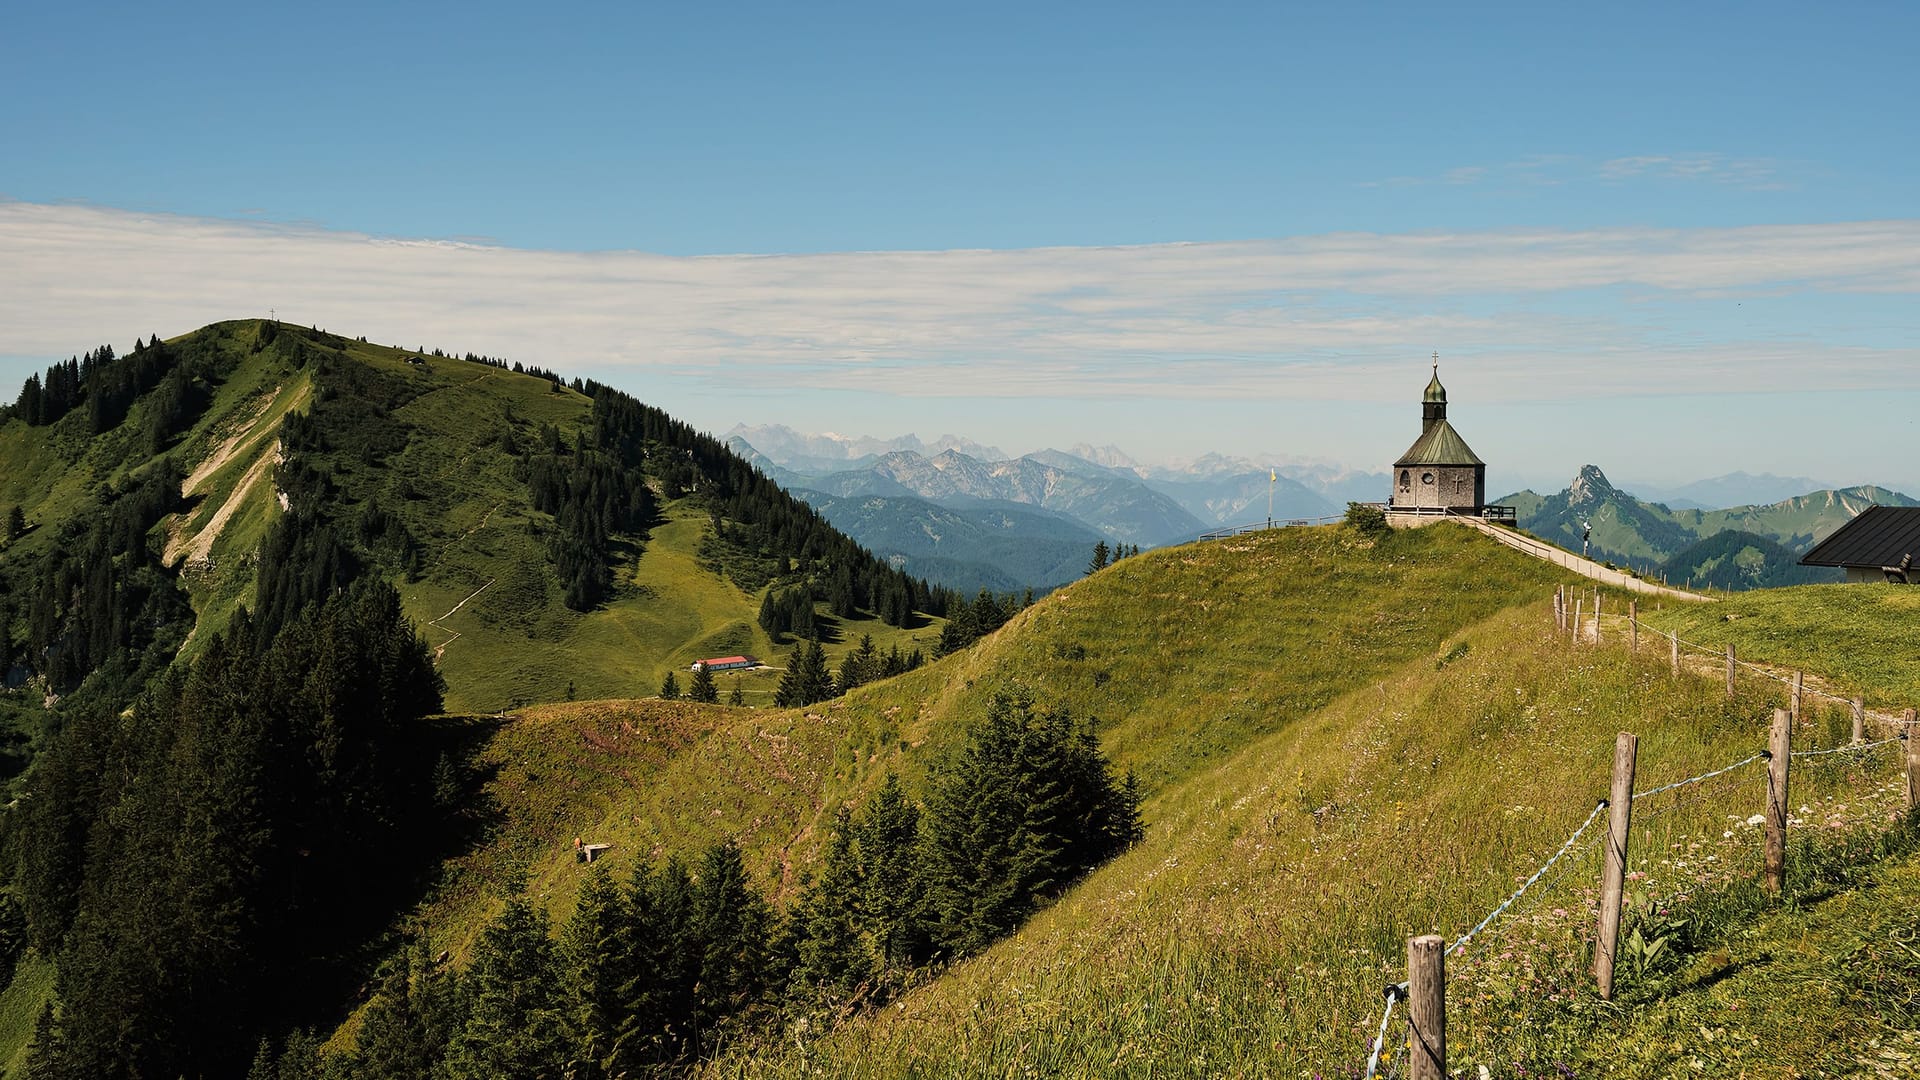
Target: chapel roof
pixel 1440 445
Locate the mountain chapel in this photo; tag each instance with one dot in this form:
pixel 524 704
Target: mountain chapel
pixel 1439 473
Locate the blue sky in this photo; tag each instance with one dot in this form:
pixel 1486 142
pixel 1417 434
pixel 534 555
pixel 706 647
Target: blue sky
pixel 1269 213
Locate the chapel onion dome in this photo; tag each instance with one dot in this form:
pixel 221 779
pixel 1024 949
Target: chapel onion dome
pixel 1436 394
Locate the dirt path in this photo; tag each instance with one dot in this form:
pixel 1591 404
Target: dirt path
pixel 1699 660
pixel 442 647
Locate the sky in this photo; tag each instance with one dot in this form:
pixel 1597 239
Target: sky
pixel 1673 240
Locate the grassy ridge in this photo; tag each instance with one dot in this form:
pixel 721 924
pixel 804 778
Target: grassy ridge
pixel 1249 934
pixel 1183 655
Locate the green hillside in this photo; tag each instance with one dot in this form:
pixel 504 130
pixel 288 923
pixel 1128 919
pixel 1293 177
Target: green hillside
pixel 1308 711
pixel 1223 644
pixel 436 448
pixel 1733 560
pixel 1250 932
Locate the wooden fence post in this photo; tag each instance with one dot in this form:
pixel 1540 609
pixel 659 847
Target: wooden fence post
pixel 1799 679
pixel 1780 746
pixel 1859 720
pixel 1613 876
pixel 1633 625
pixel 1577 605
pixel 1730 663
pixel 1673 650
pixel 1913 760
pixel 1559 609
pixel 1596 616
pixel 1427 1007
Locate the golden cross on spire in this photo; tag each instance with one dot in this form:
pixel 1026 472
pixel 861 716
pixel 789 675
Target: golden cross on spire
pixel 1436 363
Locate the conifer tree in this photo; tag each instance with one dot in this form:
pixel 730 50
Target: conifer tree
pixel 892 891
pixel 513 1016
pixel 16 522
pixel 832 959
pixel 861 666
pixel 1100 555
pixel 670 687
pixel 737 696
pixel 1023 806
pixel 732 926
pixel 596 954
pixel 406 1028
pixel 702 688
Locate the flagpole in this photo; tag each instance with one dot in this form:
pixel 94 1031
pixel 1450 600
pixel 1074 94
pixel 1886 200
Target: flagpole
pixel 1273 477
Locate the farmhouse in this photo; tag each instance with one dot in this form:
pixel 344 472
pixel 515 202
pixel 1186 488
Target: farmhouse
pixel 725 663
pixel 1879 545
pixel 1439 473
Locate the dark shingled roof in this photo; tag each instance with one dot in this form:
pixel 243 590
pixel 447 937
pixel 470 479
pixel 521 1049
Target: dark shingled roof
pixel 1878 537
pixel 1441 445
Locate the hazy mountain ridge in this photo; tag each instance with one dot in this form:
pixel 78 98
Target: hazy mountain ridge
pixel 1004 547
pixel 830 451
pixel 1120 507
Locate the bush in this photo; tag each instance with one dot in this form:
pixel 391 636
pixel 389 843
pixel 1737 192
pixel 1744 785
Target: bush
pixel 1367 519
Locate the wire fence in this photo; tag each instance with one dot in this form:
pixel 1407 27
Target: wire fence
pixel 1694 787
pixel 1587 616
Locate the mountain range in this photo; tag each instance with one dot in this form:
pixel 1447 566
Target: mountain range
pixel 1100 489
pixel 1693 544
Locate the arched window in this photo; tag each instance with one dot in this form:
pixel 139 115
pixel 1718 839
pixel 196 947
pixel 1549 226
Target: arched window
pixel 1406 480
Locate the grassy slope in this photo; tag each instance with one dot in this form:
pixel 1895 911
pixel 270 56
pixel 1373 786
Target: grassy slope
pixel 1859 637
pixel 1224 643
pixel 1828 988
pixel 1249 936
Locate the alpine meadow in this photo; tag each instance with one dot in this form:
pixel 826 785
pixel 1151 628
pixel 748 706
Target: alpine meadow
pixel 357 726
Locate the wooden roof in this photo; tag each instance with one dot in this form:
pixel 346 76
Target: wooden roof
pixel 1880 536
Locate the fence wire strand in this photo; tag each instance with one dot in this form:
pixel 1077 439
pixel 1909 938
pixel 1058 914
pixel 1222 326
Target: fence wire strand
pixel 1638 795
pixel 1527 884
pixel 1394 993
pixel 1857 748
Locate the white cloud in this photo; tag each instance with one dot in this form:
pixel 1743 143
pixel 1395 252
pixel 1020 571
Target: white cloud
pixel 1316 316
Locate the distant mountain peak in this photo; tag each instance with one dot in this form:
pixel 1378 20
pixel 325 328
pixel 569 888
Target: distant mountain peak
pixel 1590 487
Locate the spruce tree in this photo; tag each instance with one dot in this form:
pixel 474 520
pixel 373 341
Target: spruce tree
pixel 597 962
pixel 670 687
pixel 406 1028
pixel 732 926
pixel 702 688
pixel 892 897
pixel 513 1022
pixel 1023 806
pixel 816 683
pixel 832 958
pixel 1100 555
pixel 861 666
pixel 16 522
pixel 737 696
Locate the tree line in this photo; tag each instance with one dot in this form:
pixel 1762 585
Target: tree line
pixel 658 971
pixel 203 868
